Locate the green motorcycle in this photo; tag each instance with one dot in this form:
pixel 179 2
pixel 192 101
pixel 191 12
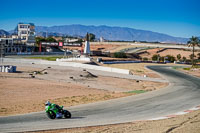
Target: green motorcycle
pixel 54 111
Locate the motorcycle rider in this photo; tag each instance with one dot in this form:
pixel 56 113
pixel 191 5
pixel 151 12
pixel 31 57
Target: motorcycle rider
pixel 55 106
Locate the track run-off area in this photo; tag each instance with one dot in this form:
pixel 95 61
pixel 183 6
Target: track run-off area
pixel 182 94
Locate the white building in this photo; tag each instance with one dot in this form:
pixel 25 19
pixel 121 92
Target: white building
pixel 71 40
pixel 26 33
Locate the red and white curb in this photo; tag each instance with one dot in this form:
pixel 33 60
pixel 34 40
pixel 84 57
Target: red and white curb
pixel 176 114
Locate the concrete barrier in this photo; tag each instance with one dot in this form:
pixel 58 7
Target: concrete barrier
pixel 74 59
pixel 69 64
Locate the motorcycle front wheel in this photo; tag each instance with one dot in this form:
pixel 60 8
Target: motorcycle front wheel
pixel 51 115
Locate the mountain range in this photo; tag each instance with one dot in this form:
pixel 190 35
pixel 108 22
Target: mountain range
pixel 110 33
pixel 3 32
pixel 107 32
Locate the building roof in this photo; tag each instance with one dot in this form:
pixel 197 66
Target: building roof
pixel 32 24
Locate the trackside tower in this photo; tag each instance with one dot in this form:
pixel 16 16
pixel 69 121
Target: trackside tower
pixel 87 45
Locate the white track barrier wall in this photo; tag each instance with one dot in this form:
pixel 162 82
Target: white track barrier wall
pixel 74 59
pixel 69 64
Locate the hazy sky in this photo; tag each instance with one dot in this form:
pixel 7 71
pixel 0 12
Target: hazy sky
pixel 179 18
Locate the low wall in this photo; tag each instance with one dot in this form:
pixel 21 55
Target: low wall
pixel 74 59
pixel 69 64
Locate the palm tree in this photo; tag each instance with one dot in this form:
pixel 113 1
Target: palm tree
pixel 194 41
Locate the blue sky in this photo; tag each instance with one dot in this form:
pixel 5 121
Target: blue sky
pixel 180 18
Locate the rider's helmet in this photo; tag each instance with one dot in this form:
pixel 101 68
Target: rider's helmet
pixel 47 103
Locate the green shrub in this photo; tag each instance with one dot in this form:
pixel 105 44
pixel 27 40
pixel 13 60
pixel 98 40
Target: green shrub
pixel 155 57
pixel 120 55
pixel 178 56
pixel 145 59
pixel 162 59
pixel 184 58
pixel 192 56
pixel 198 55
pixel 186 68
pixel 136 91
pixel 50 58
pixel 171 58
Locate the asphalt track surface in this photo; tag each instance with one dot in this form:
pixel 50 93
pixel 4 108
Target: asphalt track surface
pixel 183 93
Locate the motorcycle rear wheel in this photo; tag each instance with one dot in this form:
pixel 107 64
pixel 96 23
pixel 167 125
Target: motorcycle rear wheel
pixel 67 114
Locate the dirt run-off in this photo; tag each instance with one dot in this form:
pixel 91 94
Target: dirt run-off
pixel 27 90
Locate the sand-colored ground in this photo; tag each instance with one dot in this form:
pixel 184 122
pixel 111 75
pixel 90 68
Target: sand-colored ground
pixel 121 47
pixel 104 47
pixel 19 93
pixel 96 47
pixel 135 68
pixel 150 52
pixel 173 52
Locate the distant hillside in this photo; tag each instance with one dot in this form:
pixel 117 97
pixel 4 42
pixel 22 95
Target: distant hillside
pixel 3 32
pixel 111 33
pixel 44 34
